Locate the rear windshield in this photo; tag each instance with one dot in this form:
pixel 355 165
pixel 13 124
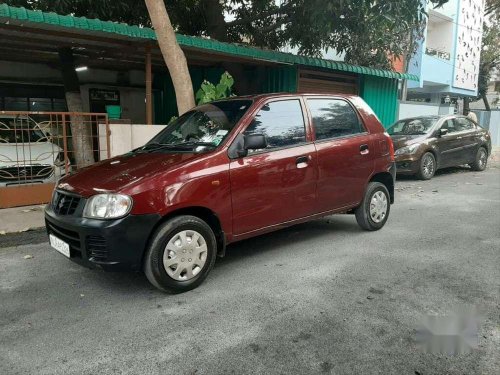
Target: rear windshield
pixel 413 126
pixel 19 130
pixel 208 124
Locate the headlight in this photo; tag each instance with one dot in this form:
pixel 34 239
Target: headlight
pixel 407 149
pixel 107 206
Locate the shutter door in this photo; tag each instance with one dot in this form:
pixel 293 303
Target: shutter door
pixel 327 83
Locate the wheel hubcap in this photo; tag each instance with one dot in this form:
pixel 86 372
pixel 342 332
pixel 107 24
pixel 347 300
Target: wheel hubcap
pixel 428 166
pixel 185 255
pixel 378 207
pixel 482 158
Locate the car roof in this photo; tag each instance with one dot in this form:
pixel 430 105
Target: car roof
pixel 287 94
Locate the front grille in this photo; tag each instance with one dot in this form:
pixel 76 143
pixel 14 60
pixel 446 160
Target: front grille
pixel 97 248
pixel 25 173
pixel 72 238
pixel 64 204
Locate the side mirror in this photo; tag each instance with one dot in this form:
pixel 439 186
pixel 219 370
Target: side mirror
pixel 442 132
pixel 243 143
pixel 254 142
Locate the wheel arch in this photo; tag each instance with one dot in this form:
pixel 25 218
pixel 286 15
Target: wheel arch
pixel 386 179
pixel 434 153
pixel 203 213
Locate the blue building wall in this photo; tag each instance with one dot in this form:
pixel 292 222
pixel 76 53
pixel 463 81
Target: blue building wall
pixel 435 71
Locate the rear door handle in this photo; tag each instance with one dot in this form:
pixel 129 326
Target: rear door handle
pixel 364 149
pixel 301 161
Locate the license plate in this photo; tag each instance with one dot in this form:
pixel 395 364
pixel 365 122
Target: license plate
pixel 59 245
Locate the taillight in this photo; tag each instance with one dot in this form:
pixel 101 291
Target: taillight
pixel 391 146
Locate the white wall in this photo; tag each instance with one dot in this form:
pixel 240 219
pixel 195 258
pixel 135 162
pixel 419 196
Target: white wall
pixel 440 35
pixel 413 109
pixel 126 137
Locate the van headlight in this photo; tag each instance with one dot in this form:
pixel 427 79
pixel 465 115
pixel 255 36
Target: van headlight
pixel 107 206
pixel 407 149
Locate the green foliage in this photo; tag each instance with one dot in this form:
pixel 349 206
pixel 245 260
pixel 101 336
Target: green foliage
pixel 490 55
pixel 209 92
pixel 366 31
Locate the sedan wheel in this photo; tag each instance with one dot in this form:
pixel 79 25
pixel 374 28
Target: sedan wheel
pixel 481 160
pixel 427 166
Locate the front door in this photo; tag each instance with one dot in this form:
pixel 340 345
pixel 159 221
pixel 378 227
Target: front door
pixel 276 184
pixel 345 153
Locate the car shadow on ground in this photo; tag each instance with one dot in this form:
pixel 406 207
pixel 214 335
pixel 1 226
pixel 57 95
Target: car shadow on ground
pixel 135 283
pixel 296 234
pixel 439 173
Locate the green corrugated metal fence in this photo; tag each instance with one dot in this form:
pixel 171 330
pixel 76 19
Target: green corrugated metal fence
pixel 381 94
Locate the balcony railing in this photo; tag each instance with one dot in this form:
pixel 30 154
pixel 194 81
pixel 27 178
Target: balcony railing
pixel 443 55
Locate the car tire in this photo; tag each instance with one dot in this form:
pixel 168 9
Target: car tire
pixel 481 160
pixel 374 210
pixel 173 263
pixel 427 166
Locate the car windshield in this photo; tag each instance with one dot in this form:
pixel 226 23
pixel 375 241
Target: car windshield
pixel 413 126
pixel 17 129
pixel 206 125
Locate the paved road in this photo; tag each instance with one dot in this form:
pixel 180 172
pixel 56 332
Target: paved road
pixel 322 297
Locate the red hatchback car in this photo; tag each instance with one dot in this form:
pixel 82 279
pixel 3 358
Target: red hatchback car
pixel 223 172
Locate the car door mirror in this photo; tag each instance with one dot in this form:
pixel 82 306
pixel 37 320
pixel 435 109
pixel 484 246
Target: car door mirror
pixel 243 143
pixel 442 132
pixel 255 142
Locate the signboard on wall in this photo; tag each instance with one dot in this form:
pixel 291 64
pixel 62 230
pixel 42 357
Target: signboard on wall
pixel 468 51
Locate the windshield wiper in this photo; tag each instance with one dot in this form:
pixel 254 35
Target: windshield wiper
pixel 155 146
pixel 195 143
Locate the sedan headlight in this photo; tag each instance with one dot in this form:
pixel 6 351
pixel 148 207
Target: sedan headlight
pixel 407 149
pixel 107 206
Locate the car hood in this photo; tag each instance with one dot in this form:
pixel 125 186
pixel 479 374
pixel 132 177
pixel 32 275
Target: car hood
pixel 118 173
pixel 406 140
pixel 28 153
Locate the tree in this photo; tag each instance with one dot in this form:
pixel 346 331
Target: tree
pixel 81 133
pixel 490 53
pixel 366 31
pixel 172 54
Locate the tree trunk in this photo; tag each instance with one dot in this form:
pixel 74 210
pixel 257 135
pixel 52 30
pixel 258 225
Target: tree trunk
pixel 466 106
pixel 172 54
pixel 485 101
pixel 81 132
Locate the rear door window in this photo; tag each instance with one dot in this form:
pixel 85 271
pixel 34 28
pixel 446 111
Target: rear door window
pixel 333 118
pixel 282 123
pixel 463 124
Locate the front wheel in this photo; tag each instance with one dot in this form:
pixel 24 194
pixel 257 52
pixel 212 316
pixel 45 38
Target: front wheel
pixel 427 166
pixel 481 160
pixel 374 210
pixel 180 255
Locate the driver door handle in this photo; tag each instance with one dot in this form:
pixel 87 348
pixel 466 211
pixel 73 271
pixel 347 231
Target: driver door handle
pixel 302 161
pixel 364 149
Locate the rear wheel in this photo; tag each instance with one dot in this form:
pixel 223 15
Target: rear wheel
pixel 374 210
pixel 481 160
pixel 181 254
pixel 427 166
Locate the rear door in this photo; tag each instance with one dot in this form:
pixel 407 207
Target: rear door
pixel 276 184
pixel 467 138
pixel 345 153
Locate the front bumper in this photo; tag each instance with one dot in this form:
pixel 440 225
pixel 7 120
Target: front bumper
pixel 108 244
pixel 407 164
